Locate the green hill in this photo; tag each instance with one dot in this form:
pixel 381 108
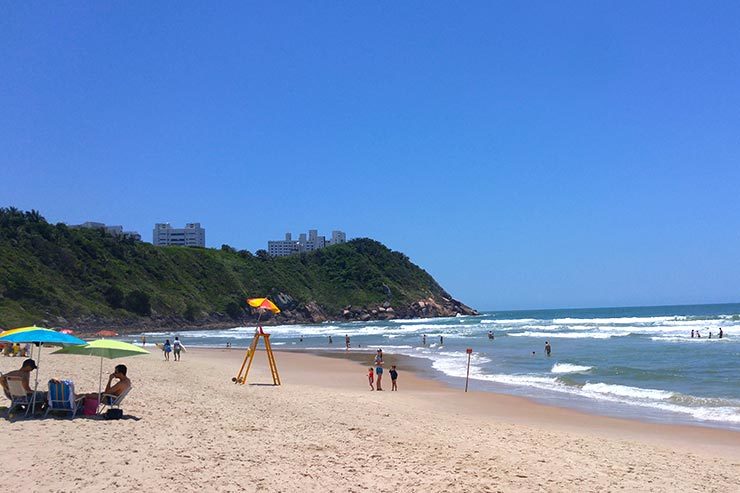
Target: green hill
pixel 56 275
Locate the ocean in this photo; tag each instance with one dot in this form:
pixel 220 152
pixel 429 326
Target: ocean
pixel 637 362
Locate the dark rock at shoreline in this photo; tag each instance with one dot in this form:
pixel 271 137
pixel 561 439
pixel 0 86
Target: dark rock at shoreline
pixel 292 313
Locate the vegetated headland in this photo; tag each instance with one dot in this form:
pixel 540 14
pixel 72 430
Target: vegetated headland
pixel 56 276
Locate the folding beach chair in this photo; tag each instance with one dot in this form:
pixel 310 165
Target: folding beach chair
pixel 18 396
pixel 5 391
pixel 113 401
pixel 62 397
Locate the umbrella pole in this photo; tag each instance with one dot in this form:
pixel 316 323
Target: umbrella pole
pixel 36 385
pixel 100 383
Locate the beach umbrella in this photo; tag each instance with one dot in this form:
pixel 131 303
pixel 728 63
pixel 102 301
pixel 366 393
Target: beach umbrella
pixel 104 348
pixel 16 331
pixel 39 336
pixel 264 304
pixel 106 333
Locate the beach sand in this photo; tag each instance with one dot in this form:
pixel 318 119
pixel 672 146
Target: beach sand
pixel 189 428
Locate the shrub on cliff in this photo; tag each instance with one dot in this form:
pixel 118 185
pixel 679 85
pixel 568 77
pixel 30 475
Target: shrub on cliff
pixel 138 302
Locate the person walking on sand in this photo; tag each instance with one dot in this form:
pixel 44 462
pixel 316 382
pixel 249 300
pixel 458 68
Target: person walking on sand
pixel 167 348
pixel 548 349
pixel 177 346
pixel 371 377
pixel 394 377
pixel 379 368
pixel 143 341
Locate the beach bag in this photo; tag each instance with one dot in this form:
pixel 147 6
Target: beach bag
pixel 113 414
pixel 90 407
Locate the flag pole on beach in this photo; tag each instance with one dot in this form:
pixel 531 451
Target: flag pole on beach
pixel 467 373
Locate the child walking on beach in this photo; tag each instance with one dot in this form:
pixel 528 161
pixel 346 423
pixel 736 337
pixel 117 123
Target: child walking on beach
pixel 371 378
pixel 394 376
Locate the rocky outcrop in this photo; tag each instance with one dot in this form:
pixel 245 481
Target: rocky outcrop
pixel 292 312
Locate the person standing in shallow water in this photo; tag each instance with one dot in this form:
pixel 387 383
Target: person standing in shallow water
pixel 720 333
pixel 548 349
pixel 346 341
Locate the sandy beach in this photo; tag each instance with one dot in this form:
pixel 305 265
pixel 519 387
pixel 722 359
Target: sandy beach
pixel 187 427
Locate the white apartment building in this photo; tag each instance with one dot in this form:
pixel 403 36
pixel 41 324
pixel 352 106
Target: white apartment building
pixel 305 243
pixel 192 235
pixel 338 237
pixel 111 230
pixel 282 248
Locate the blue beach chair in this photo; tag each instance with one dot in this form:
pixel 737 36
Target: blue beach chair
pixel 62 397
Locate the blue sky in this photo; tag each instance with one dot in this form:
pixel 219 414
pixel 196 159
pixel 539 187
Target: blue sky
pixel 526 154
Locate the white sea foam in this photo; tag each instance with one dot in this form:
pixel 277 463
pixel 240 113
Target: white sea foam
pixel 569 368
pixel 569 335
pixel 512 321
pixel 626 391
pixel 613 321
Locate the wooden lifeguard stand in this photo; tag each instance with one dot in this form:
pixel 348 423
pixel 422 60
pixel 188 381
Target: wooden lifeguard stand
pixel 241 378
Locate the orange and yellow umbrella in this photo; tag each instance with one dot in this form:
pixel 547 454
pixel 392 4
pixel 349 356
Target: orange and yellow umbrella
pixel 263 303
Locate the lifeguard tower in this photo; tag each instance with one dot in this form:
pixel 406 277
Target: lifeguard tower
pixel 241 378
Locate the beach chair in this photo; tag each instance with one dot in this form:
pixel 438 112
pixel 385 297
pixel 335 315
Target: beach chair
pixel 5 391
pixel 62 397
pixel 17 394
pixel 113 401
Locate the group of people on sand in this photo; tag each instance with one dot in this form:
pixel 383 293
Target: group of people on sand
pixel 16 349
pixel 176 347
pixel 118 383
pixel 698 334
pixel 375 373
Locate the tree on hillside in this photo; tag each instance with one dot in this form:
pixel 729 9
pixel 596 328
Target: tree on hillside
pixel 138 302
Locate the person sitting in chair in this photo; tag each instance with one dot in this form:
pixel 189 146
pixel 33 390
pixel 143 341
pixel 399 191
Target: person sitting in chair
pixel 116 389
pixel 25 374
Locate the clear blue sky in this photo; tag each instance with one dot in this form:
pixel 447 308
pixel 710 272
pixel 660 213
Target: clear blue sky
pixel 527 154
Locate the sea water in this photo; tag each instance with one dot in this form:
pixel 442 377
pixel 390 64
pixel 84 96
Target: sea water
pixel 638 362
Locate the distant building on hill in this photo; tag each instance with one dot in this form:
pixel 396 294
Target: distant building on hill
pixel 304 243
pixel 192 235
pixel 111 230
